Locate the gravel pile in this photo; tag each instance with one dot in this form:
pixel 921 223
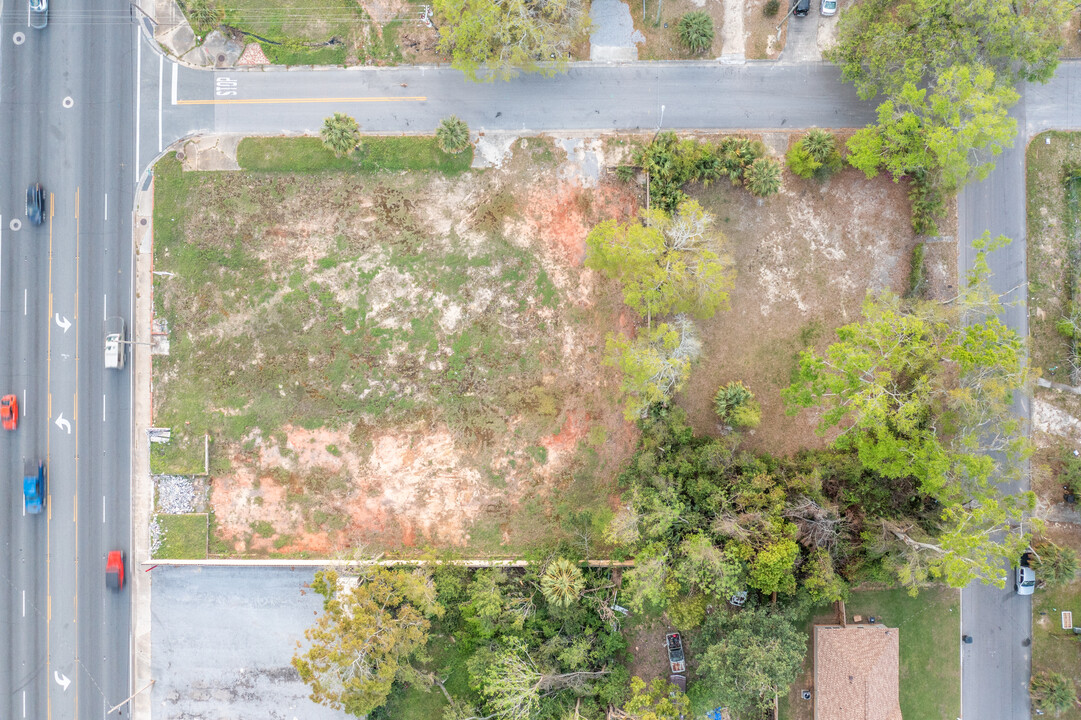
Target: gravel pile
pixel 176 494
pixel 155 537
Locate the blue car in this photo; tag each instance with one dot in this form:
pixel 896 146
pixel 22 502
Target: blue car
pixel 33 486
pixel 35 203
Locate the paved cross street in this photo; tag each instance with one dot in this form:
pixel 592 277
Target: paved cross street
pixel 86 108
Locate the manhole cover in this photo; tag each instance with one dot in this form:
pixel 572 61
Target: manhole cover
pixel 180 155
pixel 18 38
pixel 221 58
pixel 142 221
pixel 15 224
pixel 68 102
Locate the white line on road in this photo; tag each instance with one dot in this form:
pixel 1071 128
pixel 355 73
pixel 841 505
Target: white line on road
pixel 22 408
pixel 161 94
pixel 103 509
pixel 138 99
pixel 105 305
pixel 24 703
pixel 103 407
pixel 24 301
pixel 106 207
pixel 176 68
pixel 24 603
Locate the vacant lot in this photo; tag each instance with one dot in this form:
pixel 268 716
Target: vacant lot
pixel 930 629
pixel 414 359
pixel 805 262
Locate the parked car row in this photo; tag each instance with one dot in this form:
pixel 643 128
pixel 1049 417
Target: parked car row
pixel 802 7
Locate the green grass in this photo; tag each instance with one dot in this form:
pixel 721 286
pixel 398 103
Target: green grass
pixel 307 155
pixel 182 455
pixel 1053 648
pixel 183 537
pixel 929 627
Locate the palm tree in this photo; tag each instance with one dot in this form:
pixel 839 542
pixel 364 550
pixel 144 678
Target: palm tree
pixel 340 134
pixel 452 135
pixel 562 582
pixel 763 177
pixel 696 31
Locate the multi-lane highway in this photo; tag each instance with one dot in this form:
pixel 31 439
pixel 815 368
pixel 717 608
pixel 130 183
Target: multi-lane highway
pixel 65 121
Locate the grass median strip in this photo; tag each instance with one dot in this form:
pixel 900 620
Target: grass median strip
pixel 308 155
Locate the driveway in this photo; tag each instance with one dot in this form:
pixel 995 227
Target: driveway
pixel 809 36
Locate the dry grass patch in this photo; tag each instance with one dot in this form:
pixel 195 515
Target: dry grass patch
pixel 662 37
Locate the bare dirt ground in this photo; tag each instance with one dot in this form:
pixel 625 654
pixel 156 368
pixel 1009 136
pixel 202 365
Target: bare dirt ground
pixel 805 260
pixel 662 38
pixel 762 41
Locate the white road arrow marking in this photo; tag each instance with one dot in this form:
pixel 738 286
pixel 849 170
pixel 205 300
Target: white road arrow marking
pixel 63 424
pixel 63 322
pixel 61 679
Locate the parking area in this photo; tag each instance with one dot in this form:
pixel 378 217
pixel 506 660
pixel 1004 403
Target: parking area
pixel 223 640
pixel 808 36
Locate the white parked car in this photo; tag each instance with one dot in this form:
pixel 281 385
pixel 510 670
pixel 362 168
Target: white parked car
pixel 1025 584
pixel 829 7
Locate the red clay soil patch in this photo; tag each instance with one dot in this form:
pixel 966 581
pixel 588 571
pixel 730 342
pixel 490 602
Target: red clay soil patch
pixel 563 216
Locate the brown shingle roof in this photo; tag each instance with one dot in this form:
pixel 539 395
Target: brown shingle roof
pixel 856 670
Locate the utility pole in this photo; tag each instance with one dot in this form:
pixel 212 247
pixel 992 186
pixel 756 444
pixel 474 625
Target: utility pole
pixel 114 708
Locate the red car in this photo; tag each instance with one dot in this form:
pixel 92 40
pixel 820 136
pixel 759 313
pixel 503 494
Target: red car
pixel 9 412
pixel 114 570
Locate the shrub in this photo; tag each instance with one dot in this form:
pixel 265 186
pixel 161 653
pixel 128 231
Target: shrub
pixel 815 155
pixel 340 134
pixel 917 273
pixel 203 14
pixel 1052 692
pixel 696 31
pixel 452 135
pixel 763 177
pixel 1055 566
pixel 771 8
pixel 927 207
pixel 687 612
pixel 735 405
pixel 800 161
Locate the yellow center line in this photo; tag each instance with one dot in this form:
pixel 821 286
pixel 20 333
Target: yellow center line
pixel 48 464
pixel 299 101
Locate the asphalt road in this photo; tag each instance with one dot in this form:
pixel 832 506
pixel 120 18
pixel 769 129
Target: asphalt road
pixel 179 102
pixel 65 123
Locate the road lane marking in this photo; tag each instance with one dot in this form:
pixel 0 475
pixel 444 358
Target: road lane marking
pixel 105 305
pixel 161 94
pixel 103 407
pixel 106 207
pixel 24 703
pixel 302 101
pixel 175 69
pixel 138 100
pixel 24 300
pixel 24 603
pixel 103 509
pixel 48 464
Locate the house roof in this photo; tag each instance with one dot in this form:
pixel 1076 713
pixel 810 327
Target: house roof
pixel 856 672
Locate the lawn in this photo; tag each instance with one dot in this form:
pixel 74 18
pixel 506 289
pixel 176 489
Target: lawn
pixel 183 537
pixel 929 625
pixel 1053 648
pixel 304 155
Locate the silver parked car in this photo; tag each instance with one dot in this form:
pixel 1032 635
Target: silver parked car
pixel 39 14
pixel 1025 584
pixel 829 7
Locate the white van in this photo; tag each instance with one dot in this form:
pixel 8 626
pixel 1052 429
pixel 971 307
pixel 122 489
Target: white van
pixel 115 345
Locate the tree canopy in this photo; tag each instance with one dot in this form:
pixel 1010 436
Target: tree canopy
pixel 500 39
pixel 367 635
pixel 923 390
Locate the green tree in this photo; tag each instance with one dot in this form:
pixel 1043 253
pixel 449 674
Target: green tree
pixel 943 137
pixel 1055 566
pixel 747 658
pixel 562 582
pixel 709 569
pixel 367 636
pixel 1052 692
pixel 820 581
pixel 452 135
pixel 763 177
pixel 882 45
pixel 504 38
pixel 655 365
pixel 815 155
pixel 773 567
pixel 666 263
pixel 696 31
pixel 924 391
pixel 646 584
pixel 340 134
pixel 660 700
